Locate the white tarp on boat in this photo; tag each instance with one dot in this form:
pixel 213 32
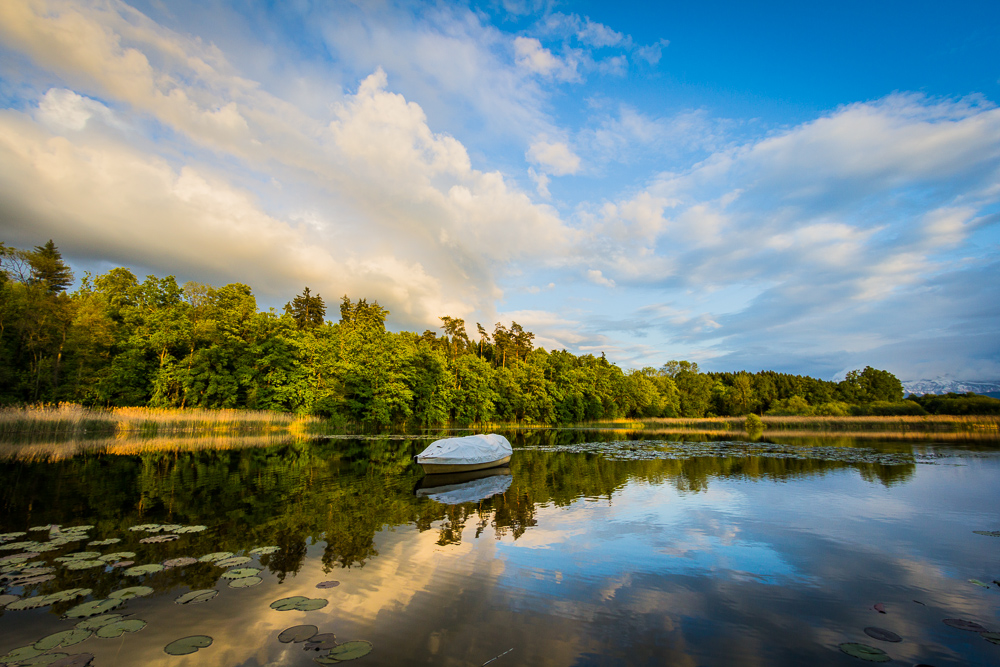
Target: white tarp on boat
pixel 468 492
pixel 472 449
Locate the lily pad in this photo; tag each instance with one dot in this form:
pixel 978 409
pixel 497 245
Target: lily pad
pixel 145 527
pixel 180 562
pixel 96 622
pixel 246 582
pixel 69 594
pixel 992 637
pixel 17 558
pixel 328 584
pixel 93 608
pixel 35 529
pixel 117 556
pixel 264 551
pixel 293 603
pixel 4 536
pixel 240 573
pixel 140 570
pixel 16 546
pixel 30 603
pixel 190 529
pixel 882 634
pixel 62 639
pixel 879 607
pixel 79 555
pixel 233 561
pixel 76 529
pixel 118 628
pixel 157 539
pixel 988 533
pixel 863 651
pixel 321 642
pixel 123 563
pixel 188 645
pixel 75 660
pixel 43 660
pixel 197 597
pixel 212 557
pixel 104 543
pixel 84 564
pixel 297 633
pixel 31 580
pixel 962 624
pixel 360 648
pixel 19 654
pixel 170 527
pixel 7 599
pixel 979 583
pixel 131 592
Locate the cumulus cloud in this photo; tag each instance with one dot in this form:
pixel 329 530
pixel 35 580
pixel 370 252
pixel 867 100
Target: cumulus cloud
pixel 405 217
pixel 821 222
pixel 556 156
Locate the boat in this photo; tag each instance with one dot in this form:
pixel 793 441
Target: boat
pixel 472 452
pixel 456 488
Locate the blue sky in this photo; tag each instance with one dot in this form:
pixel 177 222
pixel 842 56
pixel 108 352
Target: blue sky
pixel 803 188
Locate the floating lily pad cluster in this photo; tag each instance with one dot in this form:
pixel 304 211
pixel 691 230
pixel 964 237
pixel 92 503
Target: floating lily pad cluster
pixel 313 640
pixel 103 626
pixel 870 653
pixel 94 618
pixel 648 450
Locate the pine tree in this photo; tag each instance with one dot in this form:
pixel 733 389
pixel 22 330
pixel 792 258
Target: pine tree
pixel 49 269
pixel 306 309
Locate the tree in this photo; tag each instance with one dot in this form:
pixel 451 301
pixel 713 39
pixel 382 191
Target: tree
pixel 306 309
pixel 455 327
pixel 49 269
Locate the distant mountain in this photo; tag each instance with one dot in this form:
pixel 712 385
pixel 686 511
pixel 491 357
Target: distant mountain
pixel 944 385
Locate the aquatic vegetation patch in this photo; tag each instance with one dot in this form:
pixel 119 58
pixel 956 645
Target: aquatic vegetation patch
pixel 140 570
pixel 216 556
pixel 131 592
pixel 298 603
pixel 179 562
pixel 882 634
pixel 988 533
pixel 864 652
pixel 245 582
pixel 351 650
pixel 197 597
pixel 104 543
pixel 297 634
pixel 328 584
pixel 63 639
pixel 650 450
pixel 158 539
pixel 188 645
pixel 962 624
pixel 118 628
pixel 96 622
pixel 76 660
pixel 264 551
pixel 240 573
pixel 94 608
pixel 233 561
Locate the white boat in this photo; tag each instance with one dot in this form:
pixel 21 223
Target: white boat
pixel 473 452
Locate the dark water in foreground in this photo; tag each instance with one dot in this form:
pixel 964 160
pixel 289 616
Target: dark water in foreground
pixel 598 549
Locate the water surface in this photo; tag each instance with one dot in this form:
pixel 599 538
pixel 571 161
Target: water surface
pixel 596 549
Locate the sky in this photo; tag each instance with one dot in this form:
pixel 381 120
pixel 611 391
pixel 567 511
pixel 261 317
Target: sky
pixel 808 189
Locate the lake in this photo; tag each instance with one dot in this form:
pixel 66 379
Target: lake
pixel 593 548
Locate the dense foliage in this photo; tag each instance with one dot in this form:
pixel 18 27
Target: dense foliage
pixel 119 341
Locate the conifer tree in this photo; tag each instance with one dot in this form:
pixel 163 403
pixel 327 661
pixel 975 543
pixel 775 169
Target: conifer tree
pixel 49 269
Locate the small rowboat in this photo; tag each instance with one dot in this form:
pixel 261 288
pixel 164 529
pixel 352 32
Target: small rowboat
pixel 473 452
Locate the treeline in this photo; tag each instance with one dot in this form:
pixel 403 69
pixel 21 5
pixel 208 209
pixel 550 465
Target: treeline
pixel 119 341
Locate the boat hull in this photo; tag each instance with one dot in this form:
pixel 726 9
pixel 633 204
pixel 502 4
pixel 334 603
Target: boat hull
pixel 443 468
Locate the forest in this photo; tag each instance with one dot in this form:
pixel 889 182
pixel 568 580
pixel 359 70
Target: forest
pixel 121 341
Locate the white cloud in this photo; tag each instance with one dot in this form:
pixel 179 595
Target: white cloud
pixel 555 155
pixel 532 56
pixel 63 108
pixel 596 277
pixel 599 35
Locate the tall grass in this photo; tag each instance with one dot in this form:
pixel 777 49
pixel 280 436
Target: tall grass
pixel 124 444
pixel 73 420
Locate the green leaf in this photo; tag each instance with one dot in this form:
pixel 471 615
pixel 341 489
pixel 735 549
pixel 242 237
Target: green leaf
pixel 246 582
pixel 93 608
pixel 182 561
pixel 131 592
pixel 979 583
pixel 98 621
pixel 360 648
pixel 75 660
pixel 187 645
pixel 19 654
pixel 117 556
pixel 84 564
pixel 69 594
pixel 233 562
pixel 264 551
pixel 212 557
pixel 104 543
pixel 118 628
pixel 140 570
pixel 197 597
pixel 864 652
pixel 297 633
pixel 992 637
pixel 190 529
pixel 62 639
pixel 42 660
pixel 288 604
pixel 240 573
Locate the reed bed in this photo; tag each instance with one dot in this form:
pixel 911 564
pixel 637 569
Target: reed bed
pixel 901 424
pixel 73 420
pixel 124 445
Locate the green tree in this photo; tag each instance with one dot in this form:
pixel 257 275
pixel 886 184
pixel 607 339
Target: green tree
pixel 48 268
pixel 308 310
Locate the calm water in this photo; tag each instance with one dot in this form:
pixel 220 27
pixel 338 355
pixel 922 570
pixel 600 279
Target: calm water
pixel 596 549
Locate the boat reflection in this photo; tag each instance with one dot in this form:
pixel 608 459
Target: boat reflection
pixel 465 487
